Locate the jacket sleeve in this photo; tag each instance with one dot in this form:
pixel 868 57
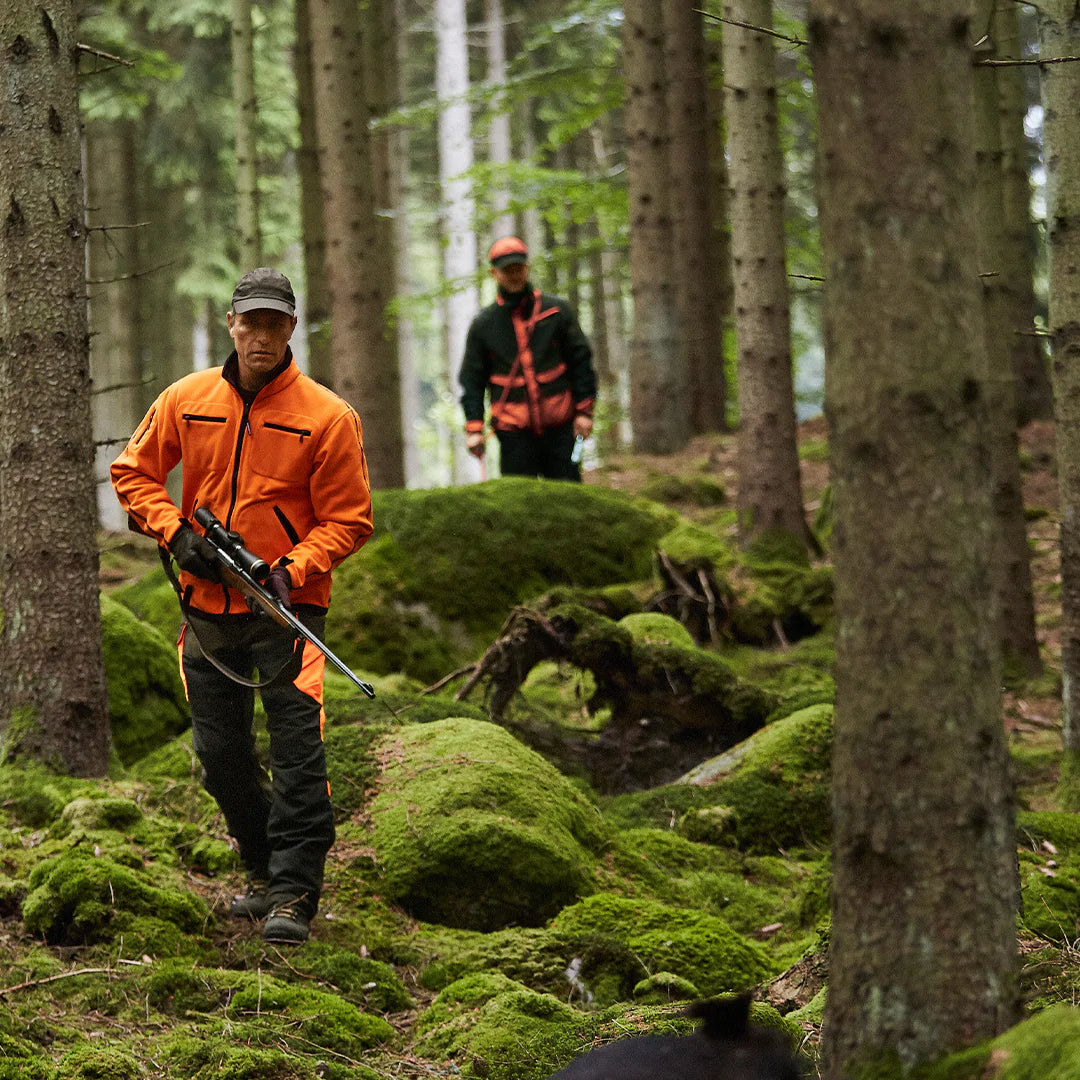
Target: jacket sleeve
pixel 341 499
pixel 138 475
pixel 474 379
pixel 578 355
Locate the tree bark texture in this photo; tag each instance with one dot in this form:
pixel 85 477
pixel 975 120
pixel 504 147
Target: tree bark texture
pixel 1034 393
pixel 52 677
pixel 923 951
pixel 458 211
pixel 312 220
pixel 1012 563
pixel 364 365
pixel 1059 35
pixel 115 295
pixel 697 247
pixel 499 146
pixel 246 118
pixel 659 409
pixel 770 487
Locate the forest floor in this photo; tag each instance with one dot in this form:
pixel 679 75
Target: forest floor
pixel 1032 715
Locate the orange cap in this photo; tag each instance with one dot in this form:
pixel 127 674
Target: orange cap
pixel 507 251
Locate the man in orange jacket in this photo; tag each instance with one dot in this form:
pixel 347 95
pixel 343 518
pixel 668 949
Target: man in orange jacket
pixel 280 460
pixel 529 354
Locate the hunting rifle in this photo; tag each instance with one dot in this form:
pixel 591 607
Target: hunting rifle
pixel 244 571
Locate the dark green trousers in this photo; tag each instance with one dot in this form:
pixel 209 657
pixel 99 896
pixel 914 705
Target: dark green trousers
pixel 283 823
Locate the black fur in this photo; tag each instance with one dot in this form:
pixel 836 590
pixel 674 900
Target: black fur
pixel 726 1047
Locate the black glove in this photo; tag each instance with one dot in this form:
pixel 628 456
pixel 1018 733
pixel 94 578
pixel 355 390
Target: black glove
pixel 194 554
pixel 279 584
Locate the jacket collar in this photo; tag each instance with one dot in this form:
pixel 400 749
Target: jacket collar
pixel 284 374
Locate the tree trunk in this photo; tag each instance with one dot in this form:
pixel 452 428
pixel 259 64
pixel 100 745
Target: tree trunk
pixel 312 223
pixel 455 160
pixel 1012 564
pixel 499 150
pixel 52 677
pixel 770 487
pixel 364 365
pixel 411 409
pixel 659 409
pixel 246 113
pixel 696 252
pixel 923 942
pixel 1035 399
pixel 115 301
pixel 1059 36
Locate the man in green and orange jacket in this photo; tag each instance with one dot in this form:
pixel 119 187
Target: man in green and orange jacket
pixel 529 353
pixel 280 460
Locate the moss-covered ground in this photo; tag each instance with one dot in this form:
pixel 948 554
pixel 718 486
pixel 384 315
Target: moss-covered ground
pixel 486 914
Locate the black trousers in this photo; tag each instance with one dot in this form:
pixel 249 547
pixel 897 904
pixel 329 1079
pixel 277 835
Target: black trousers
pixel 284 823
pixel 521 453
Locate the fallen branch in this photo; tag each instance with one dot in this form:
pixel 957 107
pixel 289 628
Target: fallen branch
pixel 30 983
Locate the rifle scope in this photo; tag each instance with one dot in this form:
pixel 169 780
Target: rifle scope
pixel 232 544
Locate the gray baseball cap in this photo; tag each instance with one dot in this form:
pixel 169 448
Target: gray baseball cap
pixel 264 287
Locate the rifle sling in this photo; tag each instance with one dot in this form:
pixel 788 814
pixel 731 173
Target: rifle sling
pixel 289 669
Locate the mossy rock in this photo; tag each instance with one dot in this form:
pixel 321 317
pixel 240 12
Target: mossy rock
pixel 152 600
pixel 491 1027
pixel 147 704
pixel 700 948
pixel 1050 897
pixel 304 1017
pixel 664 987
pixel 1061 829
pixel 777 782
pixel 474 830
pixel 532 956
pixel 445 567
pixel 91 1061
pixel 650 627
pixel 202 1057
pixel 32 796
pixel 79 898
pixel 368 983
pixel 1044 1047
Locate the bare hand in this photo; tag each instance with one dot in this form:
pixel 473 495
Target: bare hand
pixel 474 441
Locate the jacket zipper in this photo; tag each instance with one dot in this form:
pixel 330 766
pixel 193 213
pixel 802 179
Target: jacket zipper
pixel 302 432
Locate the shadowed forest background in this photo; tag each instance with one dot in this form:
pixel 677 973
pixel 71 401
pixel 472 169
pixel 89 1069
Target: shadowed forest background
pixel 781 698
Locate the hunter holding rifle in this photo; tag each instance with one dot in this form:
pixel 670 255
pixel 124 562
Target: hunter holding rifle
pixel 277 460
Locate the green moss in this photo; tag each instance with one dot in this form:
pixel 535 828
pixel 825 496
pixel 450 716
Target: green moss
pixel 151 599
pixel 32 795
pixel 1044 1047
pixel 445 567
pixel 75 897
pixel 366 982
pixel 700 491
pixel 650 627
pixel 695 946
pixel 1050 897
pixel 200 1058
pixel 147 704
pixel 663 987
pixel 302 1017
pixel 777 782
pixel 93 1062
pixel 462 806
pixel 694 546
pixel 1061 829
pixel 491 1027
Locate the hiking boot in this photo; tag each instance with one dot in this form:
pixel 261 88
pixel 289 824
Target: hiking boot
pixel 254 903
pixel 287 924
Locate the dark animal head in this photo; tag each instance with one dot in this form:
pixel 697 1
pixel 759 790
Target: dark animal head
pixel 726 1047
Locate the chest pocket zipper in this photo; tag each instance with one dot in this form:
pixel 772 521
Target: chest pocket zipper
pixel 302 432
pixel 197 418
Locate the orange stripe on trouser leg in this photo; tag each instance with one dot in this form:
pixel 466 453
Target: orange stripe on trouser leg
pixel 180 654
pixel 310 681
